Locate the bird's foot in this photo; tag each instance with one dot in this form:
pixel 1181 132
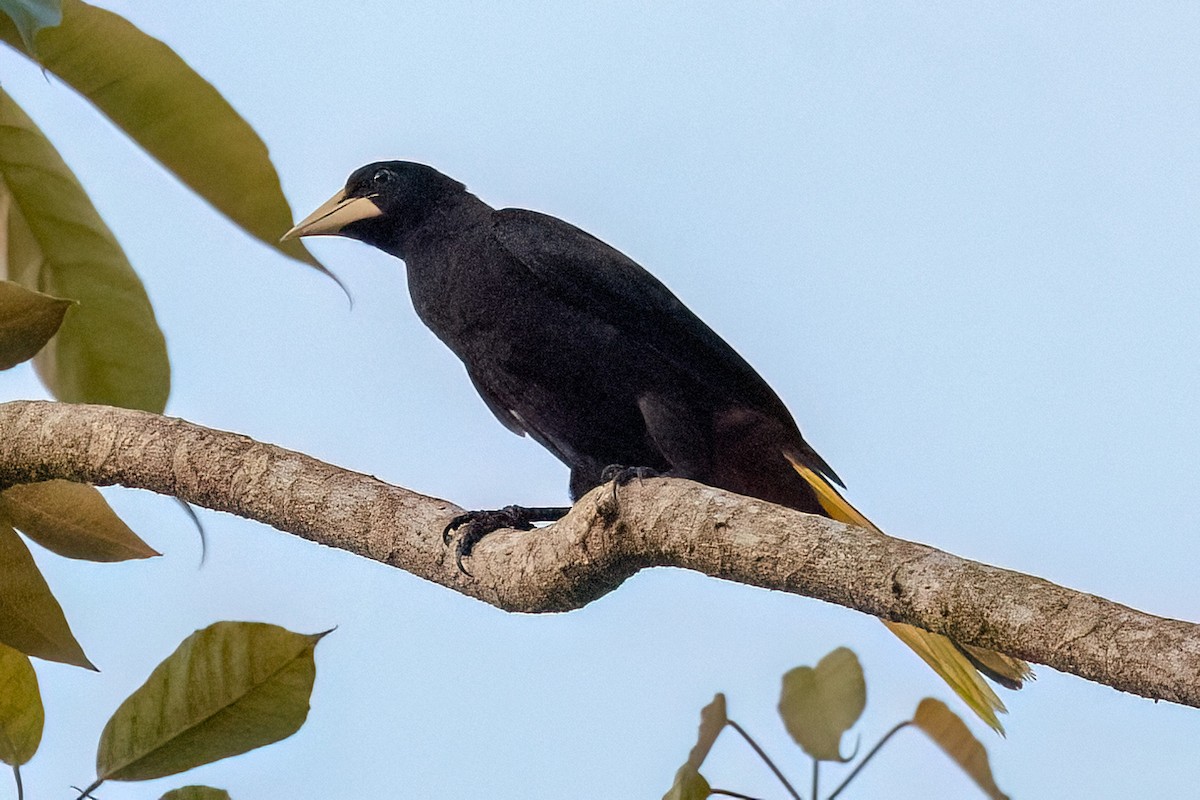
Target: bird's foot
pixel 621 475
pixel 618 475
pixel 472 526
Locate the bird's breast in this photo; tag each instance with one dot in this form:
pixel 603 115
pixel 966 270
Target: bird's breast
pixel 496 315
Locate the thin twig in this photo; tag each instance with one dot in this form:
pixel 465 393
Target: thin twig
pixel 868 757
pixel 816 777
pixel 765 758
pixel 87 793
pixel 17 778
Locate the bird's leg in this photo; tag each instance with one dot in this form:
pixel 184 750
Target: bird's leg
pixel 474 525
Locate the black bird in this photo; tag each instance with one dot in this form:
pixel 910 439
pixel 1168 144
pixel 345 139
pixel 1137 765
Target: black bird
pixel 571 342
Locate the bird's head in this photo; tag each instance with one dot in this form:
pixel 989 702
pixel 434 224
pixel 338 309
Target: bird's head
pixel 381 204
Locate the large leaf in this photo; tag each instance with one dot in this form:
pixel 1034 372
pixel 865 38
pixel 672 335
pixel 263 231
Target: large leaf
pixel 712 722
pixel 30 16
pixel 689 785
pixel 147 90
pixel 27 321
pixel 109 350
pixel 228 688
pixel 71 519
pixel 819 704
pixel 951 734
pixel 31 620
pixel 196 793
pixel 21 713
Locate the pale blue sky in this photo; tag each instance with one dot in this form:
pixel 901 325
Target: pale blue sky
pixel 959 240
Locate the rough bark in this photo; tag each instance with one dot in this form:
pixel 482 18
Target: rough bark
pixel 602 542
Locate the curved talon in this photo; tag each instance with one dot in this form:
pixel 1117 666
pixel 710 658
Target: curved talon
pixel 477 524
pixel 453 525
pixel 458 559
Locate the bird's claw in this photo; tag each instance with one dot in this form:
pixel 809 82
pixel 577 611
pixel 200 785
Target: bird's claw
pixel 621 475
pixel 618 475
pixel 454 524
pixel 474 525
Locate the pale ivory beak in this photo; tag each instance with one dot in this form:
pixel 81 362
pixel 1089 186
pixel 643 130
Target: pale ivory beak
pixel 334 214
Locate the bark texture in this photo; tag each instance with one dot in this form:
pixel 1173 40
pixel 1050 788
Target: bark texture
pixel 602 542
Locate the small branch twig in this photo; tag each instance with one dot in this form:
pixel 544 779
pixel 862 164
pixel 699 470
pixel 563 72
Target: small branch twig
pixel 867 758
pixel 766 759
pixel 599 544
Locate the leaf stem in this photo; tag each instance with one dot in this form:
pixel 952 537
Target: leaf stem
pixel 899 726
pixel 17 778
pixel 87 793
pixel 766 759
pixel 816 775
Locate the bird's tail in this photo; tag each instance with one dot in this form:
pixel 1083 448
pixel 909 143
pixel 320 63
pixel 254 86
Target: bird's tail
pixel 958 665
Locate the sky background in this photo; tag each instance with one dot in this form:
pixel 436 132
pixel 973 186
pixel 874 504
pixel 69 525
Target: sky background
pixel 959 240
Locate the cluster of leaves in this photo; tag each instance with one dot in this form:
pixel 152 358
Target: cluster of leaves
pixel 227 689
pixel 71 301
pixel 110 349
pixel 818 705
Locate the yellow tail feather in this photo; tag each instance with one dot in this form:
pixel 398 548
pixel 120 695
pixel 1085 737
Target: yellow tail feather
pixel 939 652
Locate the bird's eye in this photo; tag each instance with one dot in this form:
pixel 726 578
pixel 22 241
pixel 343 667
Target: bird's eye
pixel 383 177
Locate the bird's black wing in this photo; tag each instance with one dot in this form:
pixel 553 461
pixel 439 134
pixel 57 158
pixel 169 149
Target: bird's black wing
pixel 584 271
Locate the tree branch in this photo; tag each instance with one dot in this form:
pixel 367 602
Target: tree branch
pixel 601 543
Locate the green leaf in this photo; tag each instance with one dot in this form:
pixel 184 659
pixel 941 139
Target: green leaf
pixel 228 688
pixel 819 705
pixel 689 785
pixel 27 321
pixel 951 734
pixel 73 520
pixel 148 91
pixel 21 713
pixel 712 722
pixel 109 350
pixel 196 793
pixel 31 620
pixel 30 16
